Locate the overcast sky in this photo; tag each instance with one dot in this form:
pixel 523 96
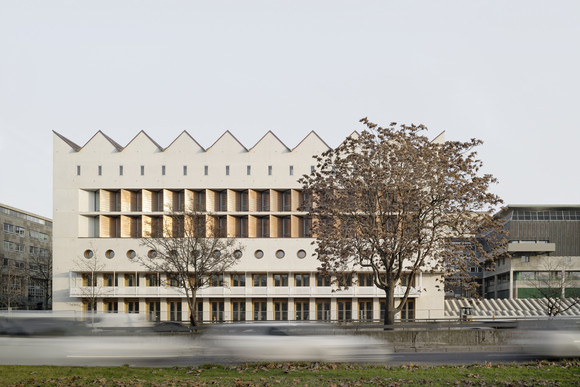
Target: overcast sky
pixel 507 72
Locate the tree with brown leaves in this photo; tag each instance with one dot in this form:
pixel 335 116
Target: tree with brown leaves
pixel 390 201
pixel 189 249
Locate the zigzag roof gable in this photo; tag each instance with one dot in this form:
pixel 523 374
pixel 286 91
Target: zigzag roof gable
pixel 271 142
pixel 73 146
pixel 227 142
pixel 100 139
pixel 185 142
pixel 142 141
pixel 313 142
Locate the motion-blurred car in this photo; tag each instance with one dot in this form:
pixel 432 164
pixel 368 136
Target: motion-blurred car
pixel 291 341
pixel 551 338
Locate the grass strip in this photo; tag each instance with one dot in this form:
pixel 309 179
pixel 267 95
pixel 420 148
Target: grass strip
pixel 543 373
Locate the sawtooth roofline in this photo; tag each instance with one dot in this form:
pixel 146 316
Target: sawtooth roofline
pixel 312 136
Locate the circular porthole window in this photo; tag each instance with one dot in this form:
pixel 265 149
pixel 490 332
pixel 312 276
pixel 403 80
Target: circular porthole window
pixel 88 254
pixel 152 254
pixel 301 254
pixel 131 254
pixel 238 254
pixel 217 253
pixel 109 254
pixel 280 254
pixel 258 254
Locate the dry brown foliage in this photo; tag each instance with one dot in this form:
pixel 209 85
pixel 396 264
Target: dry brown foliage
pixel 391 201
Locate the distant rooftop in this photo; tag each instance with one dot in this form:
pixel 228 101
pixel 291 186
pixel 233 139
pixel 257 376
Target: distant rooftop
pixel 11 211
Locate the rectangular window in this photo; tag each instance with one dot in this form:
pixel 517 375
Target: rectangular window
pixel 111 306
pixel 216 280
pixel 163 170
pixel 249 170
pixel 173 280
pixel 244 201
pixel 260 311
pixel 205 170
pixel 239 310
pixel 130 280
pixel 131 306
pixel 20 231
pixel 302 280
pixel 227 170
pixel 100 170
pixel 365 310
pixel 365 279
pixel 311 168
pixel 142 170
pixel 525 275
pixel 174 310
pixel 280 279
pixel 302 309
pixel 154 310
pixel 265 201
pixel 269 170
pixel 185 170
pixel 344 280
pixel 322 280
pixel 120 170
pixel 323 310
pixel 344 310
pixel 525 259
pixel 152 279
pixel 223 201
pixel 11 246
pixel 408 311
pixel 8 228
pixel 238 280
pixel 280 310
pixel 291 170
pixel 260 280
pixel 287 201
pixel 89 279
pixel 110 279
pixel 78 170
pixel 217 311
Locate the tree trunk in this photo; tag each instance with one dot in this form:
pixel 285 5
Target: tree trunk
pixel 193 309
pixel 389 316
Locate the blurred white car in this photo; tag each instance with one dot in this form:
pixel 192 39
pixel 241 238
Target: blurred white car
pixel 292 341
pixel 555 338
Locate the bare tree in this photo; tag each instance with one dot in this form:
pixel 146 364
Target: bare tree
pixel 40 274
pixel 13 283
pixel 390 200
pixel 189 247
pixel 555 284
pixel 89 267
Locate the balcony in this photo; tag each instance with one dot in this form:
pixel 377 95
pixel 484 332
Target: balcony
pixel 531 247
pixel 248 291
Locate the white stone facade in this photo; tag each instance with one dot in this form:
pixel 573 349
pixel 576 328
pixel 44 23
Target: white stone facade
pixel 104 195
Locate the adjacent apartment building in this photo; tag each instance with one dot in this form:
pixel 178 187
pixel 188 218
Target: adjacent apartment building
pixel 544 248
pixel 25 260
pixel 108 196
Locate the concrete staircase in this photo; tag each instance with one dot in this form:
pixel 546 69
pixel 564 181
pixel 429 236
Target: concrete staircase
pixel 505 308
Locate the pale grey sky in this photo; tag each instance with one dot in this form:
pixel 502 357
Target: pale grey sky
pixel 506 72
